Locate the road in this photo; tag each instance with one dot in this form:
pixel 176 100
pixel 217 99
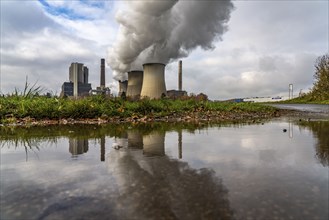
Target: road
pixel 316 108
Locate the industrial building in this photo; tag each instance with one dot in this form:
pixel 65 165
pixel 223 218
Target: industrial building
pixel 134 87
pixel 174 94
pixel 78 85
pixel 101 89
pixel 150 83
pixel 123 85
pixel 154 85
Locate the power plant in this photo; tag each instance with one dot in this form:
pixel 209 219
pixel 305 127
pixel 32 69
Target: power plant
pixel 154 85
pixel 102 84
pixel 102 89
pixel 150 83
pixel 78 85
pixel 135 82
pixel 180 75
pixel 178 93
pixel 123 87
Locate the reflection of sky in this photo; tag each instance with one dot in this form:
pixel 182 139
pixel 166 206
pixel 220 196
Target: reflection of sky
pixel 244 144
pixel 262 167
pixel 50 175
pixel 260 163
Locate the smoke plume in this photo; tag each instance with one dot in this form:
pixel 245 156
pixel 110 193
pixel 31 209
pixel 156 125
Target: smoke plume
pixel 165 30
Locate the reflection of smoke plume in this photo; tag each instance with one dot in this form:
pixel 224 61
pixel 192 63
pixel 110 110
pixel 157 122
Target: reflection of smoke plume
pixel 168 188
pixel 162 31
pixel 163 188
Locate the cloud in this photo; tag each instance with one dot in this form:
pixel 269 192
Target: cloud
pixel 41 45
pixel 268 44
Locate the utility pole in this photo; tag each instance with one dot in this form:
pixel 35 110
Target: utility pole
pixel 291 91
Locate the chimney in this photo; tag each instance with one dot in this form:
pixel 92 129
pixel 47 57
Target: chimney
pixel 102 85
pixel 180 73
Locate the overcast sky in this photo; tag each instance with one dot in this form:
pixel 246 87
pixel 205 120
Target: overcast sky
pixel 268 45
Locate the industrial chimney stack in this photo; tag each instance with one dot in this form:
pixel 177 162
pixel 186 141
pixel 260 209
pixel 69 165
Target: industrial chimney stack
pixel 102 85
pixel 180 73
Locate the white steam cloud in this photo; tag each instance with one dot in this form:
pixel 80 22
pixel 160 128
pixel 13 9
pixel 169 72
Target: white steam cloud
pixel 165 30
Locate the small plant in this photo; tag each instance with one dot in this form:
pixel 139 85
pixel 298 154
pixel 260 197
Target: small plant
pixel 29 91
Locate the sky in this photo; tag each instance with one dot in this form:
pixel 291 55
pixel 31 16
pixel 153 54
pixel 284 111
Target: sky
pixel 267 46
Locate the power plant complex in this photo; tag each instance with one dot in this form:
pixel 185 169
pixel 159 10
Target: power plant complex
pixel 148 83
pixel 79 85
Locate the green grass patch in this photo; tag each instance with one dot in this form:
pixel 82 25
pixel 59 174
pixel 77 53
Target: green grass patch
pixel 41 107
pixel 306 99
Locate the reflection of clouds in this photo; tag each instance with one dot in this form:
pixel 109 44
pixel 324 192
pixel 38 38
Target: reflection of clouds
pixel 249 143
pixel 267 156
pixel 49 183
pixel 263 169
pixel 159 187
pixel 264 181
pixel 58 200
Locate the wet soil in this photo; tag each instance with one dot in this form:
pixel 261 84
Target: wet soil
pixel 197 116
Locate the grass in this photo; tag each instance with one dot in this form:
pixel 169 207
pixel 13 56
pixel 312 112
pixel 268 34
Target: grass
pixel 307 99
pixel 39 107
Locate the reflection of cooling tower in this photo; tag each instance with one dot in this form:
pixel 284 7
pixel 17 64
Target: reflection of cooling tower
pixel 154 144
pixel 154 85
pixel 135 81
pixel 135 140
pixel 123 87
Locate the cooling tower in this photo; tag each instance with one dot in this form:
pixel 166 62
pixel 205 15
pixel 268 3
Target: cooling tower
pixel 135 81
pixel 154 85
pixel 180 75
pixel 153 144
pixel 123 87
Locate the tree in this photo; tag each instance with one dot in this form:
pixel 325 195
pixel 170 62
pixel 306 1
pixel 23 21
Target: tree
pixel 320 90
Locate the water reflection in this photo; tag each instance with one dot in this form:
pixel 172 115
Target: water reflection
pixel 268 156
pixel 135 139
pixel 320 130
pixel 180 144
pixel 102 148
pixel 226 171
pixel 78 146
pixel 291 129
pixel 153 144
pixel 79 136
pixel 153 186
